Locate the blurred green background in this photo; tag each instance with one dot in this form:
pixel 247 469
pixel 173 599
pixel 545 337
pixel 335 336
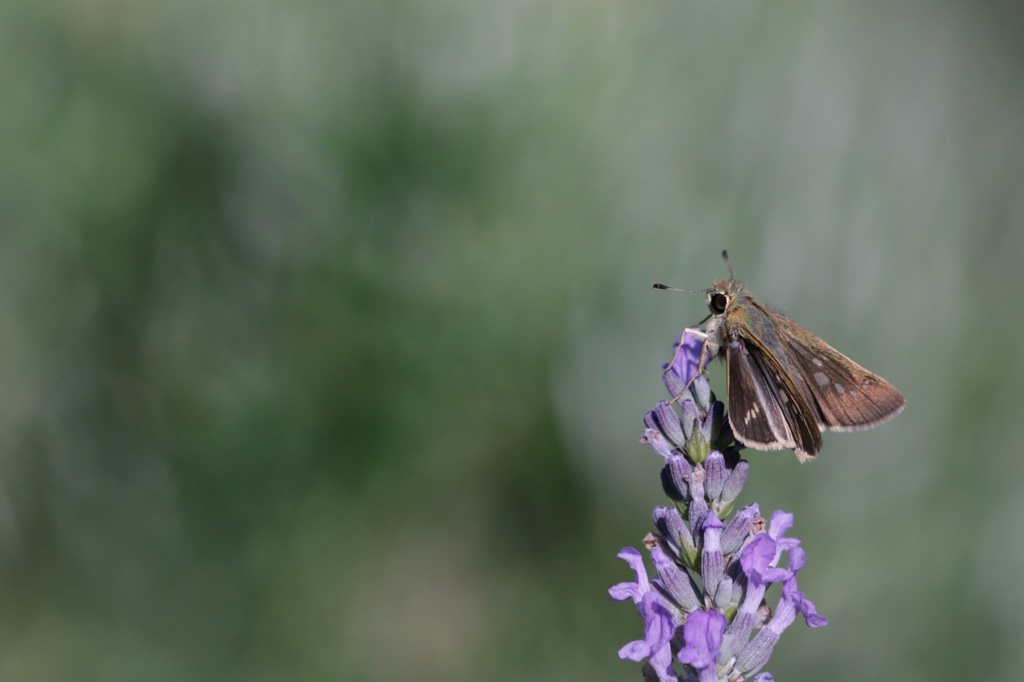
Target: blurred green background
pixel 327 330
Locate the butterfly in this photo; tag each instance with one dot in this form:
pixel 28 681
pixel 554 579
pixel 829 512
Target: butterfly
pixel 784 384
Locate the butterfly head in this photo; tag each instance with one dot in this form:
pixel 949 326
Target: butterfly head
pixel 723 294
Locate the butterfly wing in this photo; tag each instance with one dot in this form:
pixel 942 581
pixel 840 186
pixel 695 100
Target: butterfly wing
pixel 843 395
pixel 766 409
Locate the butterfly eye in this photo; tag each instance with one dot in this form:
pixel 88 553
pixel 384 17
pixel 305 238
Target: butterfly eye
pixel 718 302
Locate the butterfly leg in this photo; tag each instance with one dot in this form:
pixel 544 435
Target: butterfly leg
pixel 708 350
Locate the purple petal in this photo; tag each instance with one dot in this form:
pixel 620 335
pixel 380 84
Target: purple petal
pixel 686 358
pixel 780 523
pixel 804 606
pixel 635 590
pixel 796 560
pixel 757 556
pixel 703 635
pixel 659 626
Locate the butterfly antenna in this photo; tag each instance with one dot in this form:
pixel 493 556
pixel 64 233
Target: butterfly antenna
pixel 685 291
pixel 725 257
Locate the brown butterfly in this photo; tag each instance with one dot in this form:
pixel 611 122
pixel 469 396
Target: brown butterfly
pixel 785 385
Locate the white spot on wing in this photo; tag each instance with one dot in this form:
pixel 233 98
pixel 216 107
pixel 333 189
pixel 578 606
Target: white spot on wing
pixel 839 389
pixel 817 362
pixel 821 378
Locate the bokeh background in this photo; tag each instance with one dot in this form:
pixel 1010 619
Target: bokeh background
pixel 326 330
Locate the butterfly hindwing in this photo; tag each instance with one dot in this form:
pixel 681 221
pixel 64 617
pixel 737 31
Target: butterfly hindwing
pixel 766 409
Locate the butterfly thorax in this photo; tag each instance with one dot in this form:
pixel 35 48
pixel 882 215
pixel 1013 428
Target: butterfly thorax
pixel 736 314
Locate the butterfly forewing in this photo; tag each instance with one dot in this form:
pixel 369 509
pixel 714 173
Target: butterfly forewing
pixel 843 395
pixel 766 409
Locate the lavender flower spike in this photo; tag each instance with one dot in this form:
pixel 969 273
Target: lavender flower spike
pixel 706 609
